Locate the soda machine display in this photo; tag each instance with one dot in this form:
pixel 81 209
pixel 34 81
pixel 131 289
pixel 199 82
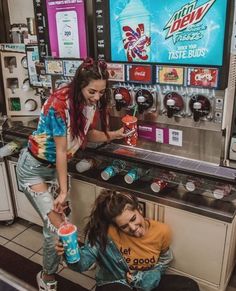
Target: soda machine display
pixel 192 32
pixel 67 28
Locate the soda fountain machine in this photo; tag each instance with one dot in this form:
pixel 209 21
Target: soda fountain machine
pixel 177 67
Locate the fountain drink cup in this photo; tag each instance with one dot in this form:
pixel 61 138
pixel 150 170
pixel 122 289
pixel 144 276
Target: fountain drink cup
pixel 131 176
pixel 135 19
pixel 158 185
pixel 130 126
pixel 85 165
pixel 108 172
pixel 68 235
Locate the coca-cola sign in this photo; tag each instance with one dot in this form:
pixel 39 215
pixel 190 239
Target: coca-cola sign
pixel 139 74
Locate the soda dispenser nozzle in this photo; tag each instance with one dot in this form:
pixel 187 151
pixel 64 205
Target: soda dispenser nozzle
pixel 197 106
pixel 118 98
pixel 122 97
pixel 144 100
pixel 200 106
pixel 170 107
pixel 140 101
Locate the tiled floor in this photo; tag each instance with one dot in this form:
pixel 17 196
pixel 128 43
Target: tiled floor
pixel 26 239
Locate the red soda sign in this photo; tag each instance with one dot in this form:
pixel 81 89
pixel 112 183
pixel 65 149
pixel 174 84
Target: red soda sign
pixel 139 74
pixel 203 77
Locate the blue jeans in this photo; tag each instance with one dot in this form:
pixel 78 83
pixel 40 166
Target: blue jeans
pixel 30 172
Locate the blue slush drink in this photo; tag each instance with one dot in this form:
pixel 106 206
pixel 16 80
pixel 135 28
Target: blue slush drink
pixel 68 235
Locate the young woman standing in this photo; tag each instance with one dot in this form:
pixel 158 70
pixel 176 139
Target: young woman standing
pixel 68 120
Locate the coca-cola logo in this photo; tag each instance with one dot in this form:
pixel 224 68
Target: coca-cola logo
pixel 140 74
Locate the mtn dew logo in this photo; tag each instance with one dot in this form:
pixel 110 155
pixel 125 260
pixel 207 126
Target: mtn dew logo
pixel 186 16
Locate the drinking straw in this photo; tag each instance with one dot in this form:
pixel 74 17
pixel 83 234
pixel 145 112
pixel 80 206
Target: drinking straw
pixel 135 109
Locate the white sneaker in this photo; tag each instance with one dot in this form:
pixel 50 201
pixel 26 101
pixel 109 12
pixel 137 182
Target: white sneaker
pixel 45 286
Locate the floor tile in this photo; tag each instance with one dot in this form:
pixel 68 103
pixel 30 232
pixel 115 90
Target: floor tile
pixel 40 251
pixel 3 241
pixel 30 238
pixel 38 259
pixel 13 230
pixel 19 249
pixel 78 278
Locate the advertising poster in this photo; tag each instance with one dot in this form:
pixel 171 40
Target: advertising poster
pixel 170 75
pixel 203 77
pixel 139 74
pixel 116 72
pixel 168 32
pixel 70 67
pixel 67 28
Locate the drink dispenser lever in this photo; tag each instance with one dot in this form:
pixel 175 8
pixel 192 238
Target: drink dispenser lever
pixel 122 97
pixel 144 100
pixel 140 102
pixel 170 104
pixel 197 106
pixel 119 101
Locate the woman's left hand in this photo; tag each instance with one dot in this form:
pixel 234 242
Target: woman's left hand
pixel 59 203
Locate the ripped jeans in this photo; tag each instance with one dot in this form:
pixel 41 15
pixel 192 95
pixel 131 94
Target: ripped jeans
pixel 30 172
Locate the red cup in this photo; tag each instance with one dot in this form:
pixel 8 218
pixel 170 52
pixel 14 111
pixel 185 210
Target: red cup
pixel 158 185
pixel 130 126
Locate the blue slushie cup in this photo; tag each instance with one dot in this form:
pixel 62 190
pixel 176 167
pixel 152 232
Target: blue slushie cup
pixel 68 235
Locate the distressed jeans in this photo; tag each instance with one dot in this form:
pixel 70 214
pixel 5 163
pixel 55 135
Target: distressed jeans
pixel 30 172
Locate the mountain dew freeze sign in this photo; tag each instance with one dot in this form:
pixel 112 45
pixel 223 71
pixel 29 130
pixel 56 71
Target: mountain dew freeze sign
pixel 168 32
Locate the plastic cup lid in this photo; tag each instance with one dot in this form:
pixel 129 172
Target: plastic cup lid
pixel 83 166
pixel 218 193
pixel 128 179
pixel 190 186
pixel 105 176
pixel 155 187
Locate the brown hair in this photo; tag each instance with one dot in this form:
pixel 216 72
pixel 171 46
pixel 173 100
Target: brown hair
pixel 108 205
pixel 88 71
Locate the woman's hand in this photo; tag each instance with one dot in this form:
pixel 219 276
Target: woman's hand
pixel 59 248
pixel 118 134
pixel 129 277
pixel 59 203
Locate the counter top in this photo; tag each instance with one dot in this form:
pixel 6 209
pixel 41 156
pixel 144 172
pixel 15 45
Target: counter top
pixel 222 210
pixel 180 164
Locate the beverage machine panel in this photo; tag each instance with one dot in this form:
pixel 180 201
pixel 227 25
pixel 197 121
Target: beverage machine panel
pixel 21 99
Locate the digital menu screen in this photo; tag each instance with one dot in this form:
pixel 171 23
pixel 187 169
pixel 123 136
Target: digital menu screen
pixel 168 32
pixel 67 28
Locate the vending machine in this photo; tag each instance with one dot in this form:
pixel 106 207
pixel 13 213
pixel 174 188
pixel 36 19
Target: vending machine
pixel 172 60
pixel 62 28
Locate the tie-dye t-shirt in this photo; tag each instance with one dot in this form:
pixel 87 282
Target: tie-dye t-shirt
pixel 54 121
